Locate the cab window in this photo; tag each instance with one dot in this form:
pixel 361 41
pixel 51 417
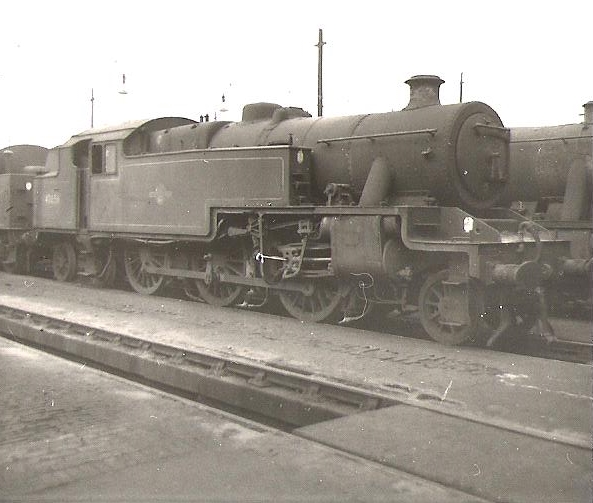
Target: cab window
pixel 104 159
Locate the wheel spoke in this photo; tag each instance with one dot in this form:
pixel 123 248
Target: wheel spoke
pixel 141 281
pixel 437 294
pixel 216 292
pixel 323 304
pixel 431 304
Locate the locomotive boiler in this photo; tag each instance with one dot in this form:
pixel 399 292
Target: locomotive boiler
pixel 338 217
pixel 548 161
pixel 453 155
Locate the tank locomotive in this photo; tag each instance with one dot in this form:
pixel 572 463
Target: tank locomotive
pixel 338 217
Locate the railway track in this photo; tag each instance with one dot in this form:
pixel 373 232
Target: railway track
pixel 558 349
pixel 562 347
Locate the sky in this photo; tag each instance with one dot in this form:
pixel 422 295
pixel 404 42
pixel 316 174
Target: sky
pixel 531 61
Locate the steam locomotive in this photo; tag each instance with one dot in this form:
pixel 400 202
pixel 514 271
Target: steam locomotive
pixel 551 181
pixel 337 217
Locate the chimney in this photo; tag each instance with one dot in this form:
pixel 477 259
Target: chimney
pixel 588 112
pixel 424 91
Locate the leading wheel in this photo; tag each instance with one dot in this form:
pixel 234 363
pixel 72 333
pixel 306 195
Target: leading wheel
pixel 432 307
pixel 135 261
pixel 507 313
pixel 64 261
pixel 322 303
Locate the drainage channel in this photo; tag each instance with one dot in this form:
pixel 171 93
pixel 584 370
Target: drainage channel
pixel 282 398
pixel 277 396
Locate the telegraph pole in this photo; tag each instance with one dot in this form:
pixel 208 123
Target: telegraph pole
pixel 319 46
pixel 92 107
pixel 461 88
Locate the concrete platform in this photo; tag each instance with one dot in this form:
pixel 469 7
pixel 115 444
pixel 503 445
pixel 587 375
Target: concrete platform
pixel 474 405
pixel 551 397
pixel 71 433
pixel 493 463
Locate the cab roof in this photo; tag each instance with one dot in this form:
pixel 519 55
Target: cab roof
pixel 122 131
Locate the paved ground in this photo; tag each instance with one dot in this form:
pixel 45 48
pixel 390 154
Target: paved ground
pixel 71 433
pixel 550 400
pixel 552 396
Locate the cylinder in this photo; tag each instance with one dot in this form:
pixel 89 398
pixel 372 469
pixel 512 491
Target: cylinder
pixel 527 274
pixel 577 267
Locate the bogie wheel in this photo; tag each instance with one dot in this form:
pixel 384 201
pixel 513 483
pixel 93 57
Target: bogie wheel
pixel 64 261
pixel 214 291
pixel 322 303
pixel 522 313
pixel 135 259
pixel 432 307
